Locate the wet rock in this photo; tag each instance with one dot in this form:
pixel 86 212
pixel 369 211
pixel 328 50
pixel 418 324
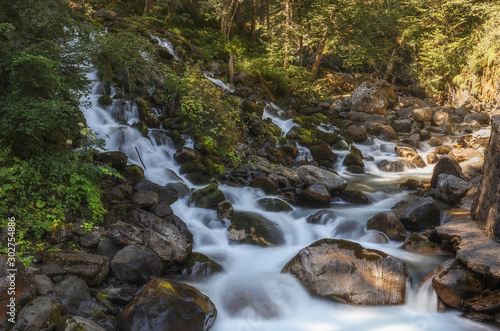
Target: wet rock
pixel 165 194
pixel 158 244
pixel 410 154
pixel 487 304
pixel 465 154
pixel 451 189
pixel 343 271
pixel 132 172
pixel 324 216
pixel 182 227
pixel 381 131
pixel 115 160
pixel 312 175
pixel 136 264
pixel 224 209
pixel 355 197
pixel 440 117
pixel 395 166
pixel 446 165
pixel 93 269
pixel 193 167
pixel 356 132
pixel 92 238
pixel 186 154
pixel 411 185
pixel 481 118
pixel 423 114
pixel 323 155
pixel 143 219
pixel 41 314
pixel 418 213
pixel 77 323
pixel 441 150
pixel 419 244
pixel 249 228
pixel 289 150
pixel 456 285
pixel 181 245
pixel 199 265
pixel 402 125
pixel 123 234
pixel 71 292
pixel 145 199
pixel 369 98
pixel 274 205
pixel 315 196
pixel 478 317
pixel 387 222
pixel 43 285
pixel 434 142
pixel 207 197
pixel 265 184
pixel 432 158
pixel 353 159
pixel 243 91
pixel 61 233
pixel 147 114
pixel 163 209
pixel 169 306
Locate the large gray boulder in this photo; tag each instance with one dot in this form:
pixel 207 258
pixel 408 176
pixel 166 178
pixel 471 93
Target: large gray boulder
pixel 311 175
pixel 369 98
pixel 136 264
pixel 345 271
pixel 451 189
pixel 41 314
pixel 93 269
pixel 71 292
pixel 387 222
pixel 446 165
pixel 254 229
pixel 418 213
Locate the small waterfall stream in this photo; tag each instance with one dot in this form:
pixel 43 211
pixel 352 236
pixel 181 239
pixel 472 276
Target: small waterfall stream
pixel 251 293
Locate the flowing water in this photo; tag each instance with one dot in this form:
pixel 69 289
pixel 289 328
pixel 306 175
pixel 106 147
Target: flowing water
pixel 251 293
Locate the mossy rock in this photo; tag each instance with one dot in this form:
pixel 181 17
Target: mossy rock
pixel 214 165
pixel 306 138
pixel 146 113
pixel 132 172
pixel 355 197
pixel 199 265
pixel 274 205
pixel 176 138
pixel 104 101
pixel 251 107
pixel 253 229
pixel 353 159
pixel 142 127
pixel 328 137
pixel 193 166
pixel 323 155
pixel 208 197
pixel 341 145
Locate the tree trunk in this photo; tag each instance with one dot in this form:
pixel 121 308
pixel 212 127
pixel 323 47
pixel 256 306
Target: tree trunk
pixel 263 12
pixel 267 15
pixel 287 32
pixel 148 7
pixel 254 17
pixel 301 39
pixel 231 70
pixel 322 44
pixel 228 13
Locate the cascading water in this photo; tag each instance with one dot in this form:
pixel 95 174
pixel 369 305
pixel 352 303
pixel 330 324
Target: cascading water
pixel 251 293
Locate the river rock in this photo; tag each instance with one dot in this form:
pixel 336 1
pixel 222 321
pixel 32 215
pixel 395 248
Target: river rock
pixel 451 189
pixel 199 265
pixel 387 222
pixel 132 172
pixel 71 292
pixel 93 237
pixel 417 243
pixel 208 197
pixel 324 216
pixel 76 323
pixel 345 271
pixel 488 304
pixel 123 234
pixel 145 199
pixel 465 154
pixel 434 142
pixel 165 194
pixel 180 244
pixel 481 118
pixel 456 285
pixel 93 269
pixel 353 159
pixel 249 228
pixel 369 98
pixel 143 219
pixel 440 117
pixel 314 196
pixel 411 185
pixel 395 166
pixel 418 213
pixel 136 264
pixel 265 184
pixel 356 132
pixel 381 131
pixel 402 125
pixel 43 284
pixel 113 159
pixel 442 150
pixel 355 197
pixel 61 233
pixel 432 158
pixel 162 210
pixel 410 154
pixel 311 175
pixel 168 306
pixel 41 314
pixel 446 165
pixel 423 114
pixel 323 155
pixel 274 205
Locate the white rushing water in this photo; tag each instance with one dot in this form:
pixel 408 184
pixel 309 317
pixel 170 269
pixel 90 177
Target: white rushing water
pixel 251 293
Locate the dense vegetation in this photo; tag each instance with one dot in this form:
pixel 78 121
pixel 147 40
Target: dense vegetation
pixel 46 163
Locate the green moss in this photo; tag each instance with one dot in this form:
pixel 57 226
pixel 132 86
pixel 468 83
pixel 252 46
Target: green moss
pixel 132 172
pixel 142 127
pixel 105 100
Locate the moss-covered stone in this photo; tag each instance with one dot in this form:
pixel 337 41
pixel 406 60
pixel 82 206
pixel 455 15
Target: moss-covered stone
pixel 142 127
pixel 146 113
pixel 355 197
pixel 353 159
pixel 200 265
pixel 323 155
pixel 274 205
pixel 251 107
pixel 208 197
pixel 104 101
pixel 133 173
pixel 249 228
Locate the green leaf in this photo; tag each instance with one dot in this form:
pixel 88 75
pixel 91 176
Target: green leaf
pixel 40 204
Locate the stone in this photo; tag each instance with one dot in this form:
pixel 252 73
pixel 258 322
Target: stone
pixel 43 285
pixel 410 154
pixel 446 165
pixel 208 197
pixel 147 114
pixel 181 245
pixel 93 269
pixel 41 314
pixel 487 304
pixel 451 189
pixel 324 216
pixel 419 213
pixel 165 194
pixel 395 166
pixel 417 243
pixel 186 154
pixel 132 172
pixel 353 159
pixel 356 132
pixel 145 199
pixel 432 158
pixel 123 234
pixel 289 150
pixel 314 196
pixel 107 248
pixel 423 114
pixel 93 237
pixel 311 175
pixel 169 306
pixel 369 98
pixel 199 265
pixel 481 118
pixel 71 292
pixel 254 229
pixel 465 154
pixel 158 244
pixel 61 233
pixel 114 159
pixel 388 223
pixel 456 285
pixel 434 142
pixel 224 209
pixel 135 264
pixel 441 150
pixel 143 219
pixel 402 125
pixel 250 107
pixel 265 184
pixel 411 185
pixel 274 205
pixel 345 271
pixel 163 209
pixel 355 197
pixel 440 117
pixel 76 323
pixel 381 131
pixel 324 155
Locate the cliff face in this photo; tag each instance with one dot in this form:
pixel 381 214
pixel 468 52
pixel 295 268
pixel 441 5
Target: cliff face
pixel 486 207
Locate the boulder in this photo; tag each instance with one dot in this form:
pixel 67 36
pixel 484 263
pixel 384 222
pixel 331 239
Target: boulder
pixel 274 205
pixel 135 264
pixel 395 166
pixel 440 117
pixel 224 209
pixel 410 154
pixel 423 114
pixel 169 306
pixel 208 197
pixel 93 269
pixel 369 98
pixel 314 196
pixel 186 154
pixel 387 222
pixel 434 142
pixel 417 243
pixel 165 194
pixel 43 285
pixel 481 118
pixel 249 228
pixel 353 159
pixel 71 292
pixel 115 160
pixel 356 132
pixel 432 158
pixel 93 237
pixel 123 234
pixel 324 216
pixel 61 233
pixel 76 323
pixel 488 303
pixel 456 285
pixel 143 219
pixel 465 154
pixel 145 199
pixel 180 244
pixel 345 271
pixel 132 172
pixel 355 197
pixel 162 209
pixel 311 175
pixel 446 165
pixel 402 125
pixel 41 314
pixel 451 189
pixel 199 265
pixel 381 131
pixel 323 155
pixel 418 213
pixel 411 185
pixel 265 184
